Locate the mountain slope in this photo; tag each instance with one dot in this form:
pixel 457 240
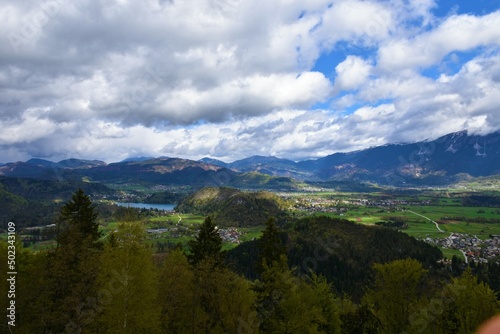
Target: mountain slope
pixel 264 165
pixel 215 162
pixel 428 162
pixel 160 171
pixel 79 163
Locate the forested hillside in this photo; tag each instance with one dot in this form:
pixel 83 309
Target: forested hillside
pixel 233 207
pixel 33 202
pixel 339 250
pixel 314 275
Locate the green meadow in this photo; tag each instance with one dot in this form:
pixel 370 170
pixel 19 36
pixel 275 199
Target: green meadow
pixel 451 219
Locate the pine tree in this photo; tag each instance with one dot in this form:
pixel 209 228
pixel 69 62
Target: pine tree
pixel 73 266
pixel 208 244
pixel 78 222
pixel 271 247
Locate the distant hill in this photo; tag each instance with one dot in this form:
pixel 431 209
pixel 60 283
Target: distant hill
pixel 158 171
pixel 43 163
pixel 10 203
pixel 429 162
pixel 176 171
pixel 257 161
pixel 31 202
pixel 232 207
pixel 33 168
pixel 46 170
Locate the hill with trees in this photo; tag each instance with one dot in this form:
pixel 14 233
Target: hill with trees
pixel 32 202
pixel 338 249
pixel 233 207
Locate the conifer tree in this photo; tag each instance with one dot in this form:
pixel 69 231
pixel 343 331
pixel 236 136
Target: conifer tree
pixel 78 222
pixel 223 297
pixel 30 290
pixel 73 265
pixel 207 244
pixel 271 247
pixel 277 285
pixel 202 299
pixel 287 304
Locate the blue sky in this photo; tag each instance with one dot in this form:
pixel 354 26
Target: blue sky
pixel 232 78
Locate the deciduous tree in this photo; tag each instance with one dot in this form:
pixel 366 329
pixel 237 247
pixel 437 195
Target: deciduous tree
pixel 396 293
pixel 130 305
pixel 465 304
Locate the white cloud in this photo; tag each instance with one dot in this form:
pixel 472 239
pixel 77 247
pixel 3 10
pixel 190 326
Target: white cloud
pixel 351 73
pixel 355 20
pixel 456 33
pixel 31 128
pixel 422 8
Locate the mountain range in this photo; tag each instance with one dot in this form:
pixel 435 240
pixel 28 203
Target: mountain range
pixel 450 158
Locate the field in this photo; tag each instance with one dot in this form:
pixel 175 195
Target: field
pixel 423 213
pixel 180 228
pixel 420 227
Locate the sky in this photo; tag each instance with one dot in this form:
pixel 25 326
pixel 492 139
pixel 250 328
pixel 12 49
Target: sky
pixel 228 79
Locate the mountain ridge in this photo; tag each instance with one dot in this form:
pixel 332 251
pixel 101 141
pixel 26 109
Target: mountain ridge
pixel 447 159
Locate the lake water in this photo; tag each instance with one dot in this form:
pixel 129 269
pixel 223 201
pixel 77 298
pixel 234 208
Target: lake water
pixel 168 207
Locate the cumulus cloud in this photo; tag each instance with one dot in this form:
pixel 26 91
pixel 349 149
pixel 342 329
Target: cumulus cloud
pixel 233 78
pixel 351 73
pixel 456 33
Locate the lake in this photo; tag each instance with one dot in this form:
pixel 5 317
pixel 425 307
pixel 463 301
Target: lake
pixel 168 207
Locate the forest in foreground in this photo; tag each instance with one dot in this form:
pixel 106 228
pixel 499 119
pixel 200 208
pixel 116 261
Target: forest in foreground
pixel 312 275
